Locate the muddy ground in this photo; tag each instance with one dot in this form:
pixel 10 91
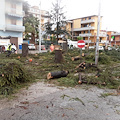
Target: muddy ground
pixel 48 102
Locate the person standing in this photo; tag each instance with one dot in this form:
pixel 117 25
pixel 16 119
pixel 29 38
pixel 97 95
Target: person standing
pixel 9 50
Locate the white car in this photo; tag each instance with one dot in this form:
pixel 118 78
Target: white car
pixel 31 47
pixel 101 48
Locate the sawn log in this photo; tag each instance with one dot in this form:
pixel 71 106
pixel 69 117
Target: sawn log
pixel 57 74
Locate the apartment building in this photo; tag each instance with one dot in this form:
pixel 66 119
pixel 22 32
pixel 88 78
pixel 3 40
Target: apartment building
pixel 86 27
pixel 11 20
pixel 36 12
pixel 113 37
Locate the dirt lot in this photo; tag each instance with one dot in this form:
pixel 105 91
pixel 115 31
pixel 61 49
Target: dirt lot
pixel 48 102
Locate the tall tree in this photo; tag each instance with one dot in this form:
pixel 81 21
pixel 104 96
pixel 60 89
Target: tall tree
pixel 31 27
pixel 31 23
pixel 57 26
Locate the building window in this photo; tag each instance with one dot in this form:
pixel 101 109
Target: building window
pixel 88 31
pixel 83 38
pixel 84 31
pixel 71 25
pixel 89 18
pixel 13 22
pixel 13 6
pixel 100 39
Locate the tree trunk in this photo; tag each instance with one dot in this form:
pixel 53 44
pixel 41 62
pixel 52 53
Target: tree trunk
pixel 32 38
pixel 58 56
pixel 24 49
pixel 76 58
pixel 57 74
pixel 65 46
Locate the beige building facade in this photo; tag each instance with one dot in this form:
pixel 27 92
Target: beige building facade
pixel 86 27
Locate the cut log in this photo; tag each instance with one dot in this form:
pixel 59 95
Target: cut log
pixel 57 74
pixel 2 75
pixel 76 58
pixel 81 65
pixel 58 56
pixel 80 81
pixel 83 54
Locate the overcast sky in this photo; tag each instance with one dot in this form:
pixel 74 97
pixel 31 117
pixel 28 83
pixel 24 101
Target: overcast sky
pixel 110 10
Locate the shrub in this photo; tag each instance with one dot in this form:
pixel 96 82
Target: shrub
pixel 14 73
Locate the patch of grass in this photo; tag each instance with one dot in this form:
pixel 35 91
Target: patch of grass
pixel 105 94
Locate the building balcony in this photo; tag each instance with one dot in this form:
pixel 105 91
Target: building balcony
pixel 85 35
pixel 2 27
pixel 87 21
pixel 87 41
pixel 102 35
pixel 15 12
pixel 16 28
pixel 84 28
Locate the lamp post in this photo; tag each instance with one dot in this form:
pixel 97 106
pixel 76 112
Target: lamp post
pixel 97 41
pixel 88 35
pixel 40 29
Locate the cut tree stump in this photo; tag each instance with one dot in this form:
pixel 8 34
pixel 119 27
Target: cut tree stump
pixel 58 56
pixel 24 49
pixel 57 74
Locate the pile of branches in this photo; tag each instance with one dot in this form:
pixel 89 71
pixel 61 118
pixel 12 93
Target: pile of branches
pixel 12 73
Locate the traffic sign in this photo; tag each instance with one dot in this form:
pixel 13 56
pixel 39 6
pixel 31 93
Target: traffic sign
pixel 81 43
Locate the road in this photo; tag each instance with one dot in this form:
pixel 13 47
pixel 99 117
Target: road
pixel 48 102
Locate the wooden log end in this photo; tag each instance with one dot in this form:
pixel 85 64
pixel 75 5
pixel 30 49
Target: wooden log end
pixel 49 76
pixel 79 82
pixel 72 58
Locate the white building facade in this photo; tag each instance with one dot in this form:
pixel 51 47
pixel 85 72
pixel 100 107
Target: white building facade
pixel 11 20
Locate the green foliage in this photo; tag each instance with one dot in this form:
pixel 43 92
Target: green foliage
pixel 57 20
pixel 79 38
pixel 14 74
pixel 68 81
pixel 104 59
pixel 31 24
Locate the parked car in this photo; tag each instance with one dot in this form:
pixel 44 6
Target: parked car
pixel 31 47
pixel 101 48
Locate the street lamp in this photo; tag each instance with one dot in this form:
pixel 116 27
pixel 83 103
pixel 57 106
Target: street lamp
pixel 88 35
pixel 40 29
pixel 97 41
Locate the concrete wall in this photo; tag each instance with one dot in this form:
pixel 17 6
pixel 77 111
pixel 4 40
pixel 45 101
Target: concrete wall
pixel 2 14
pixel 77 23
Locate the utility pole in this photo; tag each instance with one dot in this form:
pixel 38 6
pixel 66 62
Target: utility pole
pixel 40 30
pixel 97 41
pixel 106 39
pixel 88 36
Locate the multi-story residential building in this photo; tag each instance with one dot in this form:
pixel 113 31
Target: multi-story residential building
pixel 36 12
pixel 11 20
pixel 113 37
pixel 86 27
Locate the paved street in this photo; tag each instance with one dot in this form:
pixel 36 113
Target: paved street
pixel 46 102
